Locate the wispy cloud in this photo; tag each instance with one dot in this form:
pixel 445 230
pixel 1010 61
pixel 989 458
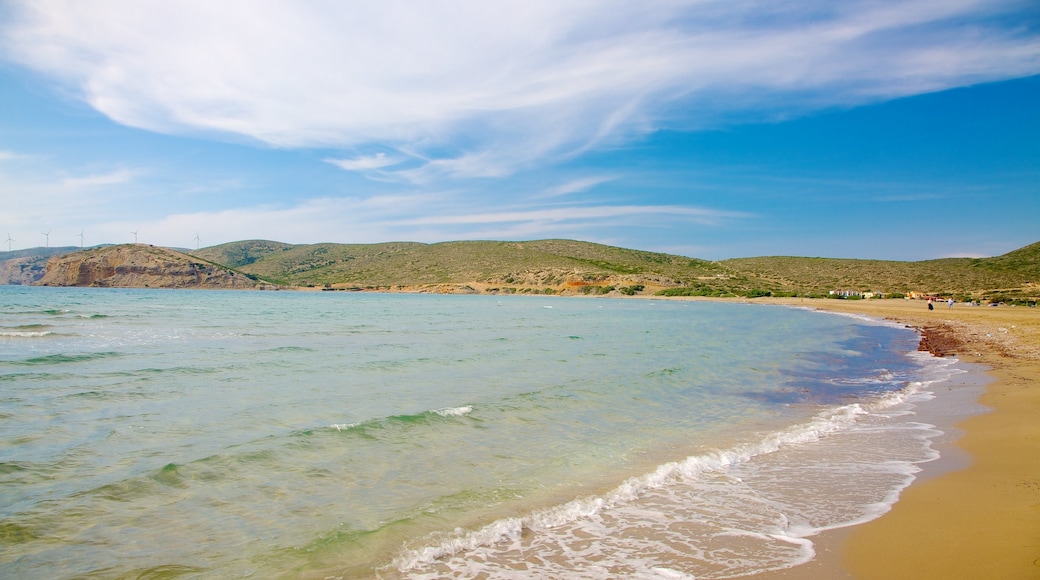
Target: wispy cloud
pixel 100 179
pixel 575 186
pixel 483 89
pixel 694 214
pixel 9 155
pixel 365 163
pixel 41 200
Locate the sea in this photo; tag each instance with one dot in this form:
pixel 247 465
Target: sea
pixel 152 433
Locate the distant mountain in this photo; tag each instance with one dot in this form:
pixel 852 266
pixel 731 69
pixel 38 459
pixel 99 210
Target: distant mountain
pixel 542 266
pixel 37 252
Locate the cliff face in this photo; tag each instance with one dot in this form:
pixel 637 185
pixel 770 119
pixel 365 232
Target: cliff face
pixel 22 271
pixel 138 266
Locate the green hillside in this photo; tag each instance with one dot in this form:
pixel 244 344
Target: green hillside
pixel 571 267
pixel 1015 274
pixel 410 263
pixel 238 254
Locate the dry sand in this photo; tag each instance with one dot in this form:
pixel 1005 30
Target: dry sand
pixel 979 522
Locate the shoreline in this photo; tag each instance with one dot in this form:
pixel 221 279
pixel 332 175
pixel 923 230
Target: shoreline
pixel 974 513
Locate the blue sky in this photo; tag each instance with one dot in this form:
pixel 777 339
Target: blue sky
pixel 708 128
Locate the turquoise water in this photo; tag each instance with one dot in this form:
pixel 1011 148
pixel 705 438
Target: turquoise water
pixel 266 434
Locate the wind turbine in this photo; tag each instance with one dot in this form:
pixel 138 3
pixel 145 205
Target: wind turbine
pixel 135 234
pixel 9 240
pixel 47 234
pixel 196 241
pixel 81 238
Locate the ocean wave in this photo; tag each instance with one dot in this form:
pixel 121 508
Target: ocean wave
pixel 24 333
pixel 53 359
pixel 441 546
pixel 454 411
pixel 392 422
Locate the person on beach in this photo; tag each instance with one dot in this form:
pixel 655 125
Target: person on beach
pixel 931 305
pixel 951 303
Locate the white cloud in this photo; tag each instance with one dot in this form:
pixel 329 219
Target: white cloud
pixel 567 214
pixel 576 186
pixel 365 163
pixel 37 197
pixel 484 89
pixel 99 179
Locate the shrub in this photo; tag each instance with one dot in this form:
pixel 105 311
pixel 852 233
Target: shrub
pixel 690 291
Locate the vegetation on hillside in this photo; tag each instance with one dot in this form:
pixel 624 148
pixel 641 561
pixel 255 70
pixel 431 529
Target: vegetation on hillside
pixel 546 262
pixel 573 267
pixel 1011 277
pixel 567 266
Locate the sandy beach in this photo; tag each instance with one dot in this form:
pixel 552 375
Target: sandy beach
pixel 978 521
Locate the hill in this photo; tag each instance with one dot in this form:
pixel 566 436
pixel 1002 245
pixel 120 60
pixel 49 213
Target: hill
pixel 1009 277
pixel 237 254
pixel 523 265
pixel 567 266
pixel 542 266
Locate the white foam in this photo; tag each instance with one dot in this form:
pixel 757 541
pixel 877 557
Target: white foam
pixel 693 486
pixel 586 507
pixel 24 334
pixel 669 573
pixel 455 411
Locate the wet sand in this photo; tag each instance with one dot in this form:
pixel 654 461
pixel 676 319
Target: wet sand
pixel 980 516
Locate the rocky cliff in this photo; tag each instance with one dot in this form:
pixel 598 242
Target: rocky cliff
pixel 139 266
pixel 22 271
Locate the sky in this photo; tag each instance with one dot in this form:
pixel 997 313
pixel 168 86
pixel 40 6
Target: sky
pixel 901 130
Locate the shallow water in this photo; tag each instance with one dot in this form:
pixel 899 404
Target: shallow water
pixel 237 434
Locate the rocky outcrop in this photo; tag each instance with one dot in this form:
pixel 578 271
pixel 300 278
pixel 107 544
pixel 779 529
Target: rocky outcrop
pixel 139 266
pixel 22 271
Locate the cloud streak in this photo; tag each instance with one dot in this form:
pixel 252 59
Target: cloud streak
pixel 486 89
pixel 99 179
pixel 570 214
pixel 9 155
pixel 365 163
